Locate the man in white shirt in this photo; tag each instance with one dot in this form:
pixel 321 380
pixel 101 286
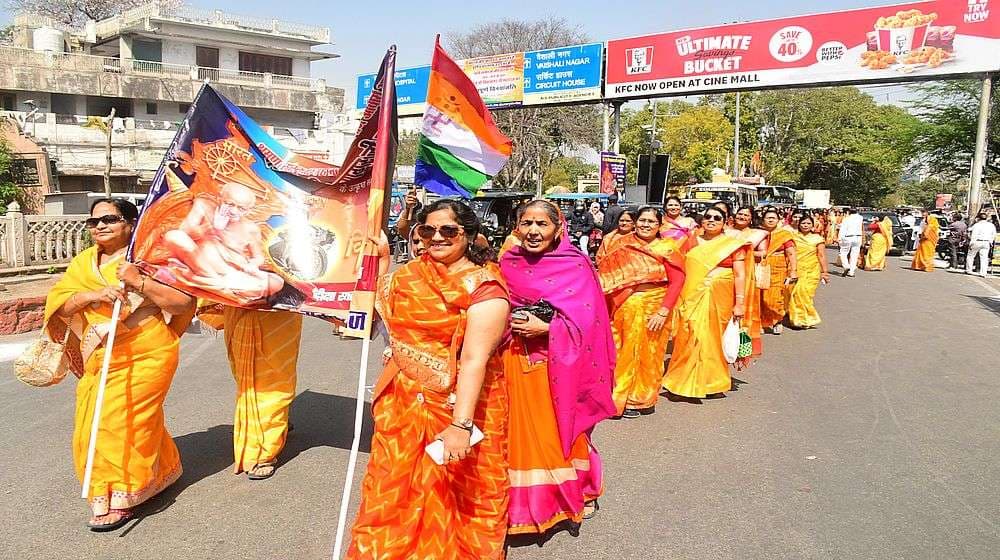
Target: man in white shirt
pixel 851 236
pixel 982 234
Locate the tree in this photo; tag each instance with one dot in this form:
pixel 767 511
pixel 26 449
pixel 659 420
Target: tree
pixel 565 171
pixel 950 110
pixel 75 13
pixel 406 150
pixel 540 135
pixel 9 192
pixel 698 138
pixel 924 192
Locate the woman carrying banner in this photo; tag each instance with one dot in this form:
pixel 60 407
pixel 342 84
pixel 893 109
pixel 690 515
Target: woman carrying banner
pixel 923 259
pixel 446 313
pixel 641 275
pixel 135 457
pixel 780 257
pixel 677 227
pixel 881 244
pixel 559 372
pixel 811 257
pixel 714 292
pixel 626 225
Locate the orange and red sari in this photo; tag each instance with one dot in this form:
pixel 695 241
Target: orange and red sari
pixel 923 259
pixel 772 300
pixel 634 278
pixel 411 507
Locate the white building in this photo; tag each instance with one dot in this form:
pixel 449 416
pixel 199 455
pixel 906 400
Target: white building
pixel 147 64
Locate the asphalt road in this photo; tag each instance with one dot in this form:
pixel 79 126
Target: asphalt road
pixel 875 436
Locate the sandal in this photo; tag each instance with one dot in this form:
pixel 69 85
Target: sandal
pixel 590 509
pixel 262 471
pixel 124 516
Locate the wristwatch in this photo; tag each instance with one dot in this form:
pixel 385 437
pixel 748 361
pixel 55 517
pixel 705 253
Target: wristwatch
pixel 464 423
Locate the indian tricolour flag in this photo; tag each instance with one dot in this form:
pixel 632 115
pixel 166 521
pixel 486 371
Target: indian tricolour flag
pixel 460 146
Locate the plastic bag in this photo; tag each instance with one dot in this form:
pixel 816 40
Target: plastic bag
pixel 731 341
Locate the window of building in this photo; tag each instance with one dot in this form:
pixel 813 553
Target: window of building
pixel 147 49
pixel 150 108
pixel 7 101
pixel 63 104
pixel 265 63
pixel 183 107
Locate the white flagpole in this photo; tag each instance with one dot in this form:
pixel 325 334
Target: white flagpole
pixel 100 399
pixel 353 461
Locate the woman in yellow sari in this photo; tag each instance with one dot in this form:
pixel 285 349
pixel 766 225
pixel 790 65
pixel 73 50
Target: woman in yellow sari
pixel 880 246
pixel 833 229
pixel 923 260
pixel 714 293
pixel 811 252
pixel 136 457
pixel 780 257
pixel 446 313
pixel 641 275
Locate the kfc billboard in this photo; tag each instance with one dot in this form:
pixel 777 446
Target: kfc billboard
pixel 889 43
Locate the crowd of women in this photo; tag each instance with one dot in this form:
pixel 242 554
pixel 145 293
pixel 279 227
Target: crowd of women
pixel 497 368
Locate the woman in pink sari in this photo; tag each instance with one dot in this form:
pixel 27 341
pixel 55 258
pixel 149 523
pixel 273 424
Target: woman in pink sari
pixel 560 371
pixel 675 226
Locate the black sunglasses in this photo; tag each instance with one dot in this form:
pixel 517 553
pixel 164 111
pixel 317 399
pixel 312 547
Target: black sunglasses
pixel 447 231
pixel 714 217
pixel 107 219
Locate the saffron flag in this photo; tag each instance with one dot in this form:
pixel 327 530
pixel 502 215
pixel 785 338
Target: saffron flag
pixel 236 218
pixel 460 147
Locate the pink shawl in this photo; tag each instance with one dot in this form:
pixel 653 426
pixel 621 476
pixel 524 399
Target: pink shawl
pixel 581 351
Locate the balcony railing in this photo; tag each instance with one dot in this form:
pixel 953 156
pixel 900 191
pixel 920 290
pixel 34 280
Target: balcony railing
pixel 89 63
pixel 189 14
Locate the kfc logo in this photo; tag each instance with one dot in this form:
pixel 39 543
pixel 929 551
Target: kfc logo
pixel 639 60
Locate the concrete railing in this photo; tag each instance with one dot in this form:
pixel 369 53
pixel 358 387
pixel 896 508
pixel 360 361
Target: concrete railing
pixel 173 11
pixel 79 62
pixel 37 241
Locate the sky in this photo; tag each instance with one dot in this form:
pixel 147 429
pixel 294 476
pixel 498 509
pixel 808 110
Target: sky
pixel 362 30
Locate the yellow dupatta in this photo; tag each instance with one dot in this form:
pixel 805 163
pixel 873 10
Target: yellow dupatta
pixel 924 257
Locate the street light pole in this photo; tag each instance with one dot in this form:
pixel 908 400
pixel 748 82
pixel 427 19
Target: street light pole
pixel 736 142
pixel 652 140
pixel 979 159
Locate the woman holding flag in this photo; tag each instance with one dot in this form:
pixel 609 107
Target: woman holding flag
pixel 135 456
pixel 559 370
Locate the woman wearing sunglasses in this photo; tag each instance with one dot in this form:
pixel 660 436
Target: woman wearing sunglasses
pixel 560 372
pixel 714 292
pixel 136 457
pixel 446 313
pixel 811 257
pixel 780 256
pixel 641 275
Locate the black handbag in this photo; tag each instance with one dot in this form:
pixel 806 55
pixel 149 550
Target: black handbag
pixel 543 310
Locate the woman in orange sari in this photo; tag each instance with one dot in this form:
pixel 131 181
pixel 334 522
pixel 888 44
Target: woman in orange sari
pixel 446 313
pixel 641 275
pixel 714 293
pixel 559 371
pixel 626 225
pixel 675 226
pixel 881 244
pixel 923 260
pixel 811 251
pixel 833 229
pixel 780 257
pixel 743 226
pixel 136 457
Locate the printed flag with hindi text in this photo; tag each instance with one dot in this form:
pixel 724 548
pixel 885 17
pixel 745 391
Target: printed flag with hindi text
pixel 236 218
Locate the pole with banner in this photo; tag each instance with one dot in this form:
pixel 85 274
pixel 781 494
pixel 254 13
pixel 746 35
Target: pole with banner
pixel 361 315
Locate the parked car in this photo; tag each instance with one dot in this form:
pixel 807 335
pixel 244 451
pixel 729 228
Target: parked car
pixel 900 232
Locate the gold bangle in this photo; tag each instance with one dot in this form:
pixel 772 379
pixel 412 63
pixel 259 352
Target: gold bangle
pixel 142 284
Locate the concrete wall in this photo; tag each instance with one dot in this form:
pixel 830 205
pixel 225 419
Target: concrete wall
pixel 178 52
pixel 165 110
pixel 300 67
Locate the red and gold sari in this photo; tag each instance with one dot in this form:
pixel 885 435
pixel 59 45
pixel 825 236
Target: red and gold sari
pixel 634 278
pixel 411 507
pixel 698 367
pixel 772 301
